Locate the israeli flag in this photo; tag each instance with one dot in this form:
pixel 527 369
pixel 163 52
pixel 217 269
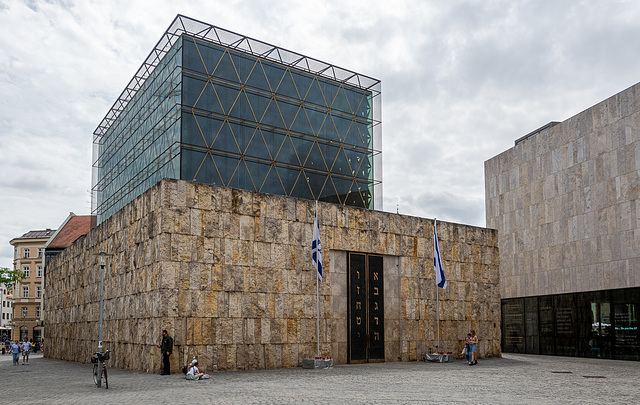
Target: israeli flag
pixel 437 262
pixel 316 249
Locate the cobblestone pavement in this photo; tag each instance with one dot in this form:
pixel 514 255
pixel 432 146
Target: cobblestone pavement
pixel 511 379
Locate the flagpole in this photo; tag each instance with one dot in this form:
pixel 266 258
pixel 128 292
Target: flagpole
pixel 438 310
pixel 317 299
pixel 317 312
pixel 437 266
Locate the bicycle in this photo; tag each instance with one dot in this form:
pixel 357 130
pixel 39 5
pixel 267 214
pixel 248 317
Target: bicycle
pixel 98 360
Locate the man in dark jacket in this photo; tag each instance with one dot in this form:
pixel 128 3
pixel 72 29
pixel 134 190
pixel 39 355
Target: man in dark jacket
pixel 166 347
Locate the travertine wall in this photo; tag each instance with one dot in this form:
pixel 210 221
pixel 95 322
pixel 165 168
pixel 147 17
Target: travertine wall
pixel 229 274
pixel 564 203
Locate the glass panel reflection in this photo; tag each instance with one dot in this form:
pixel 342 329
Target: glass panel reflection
pixel 600 324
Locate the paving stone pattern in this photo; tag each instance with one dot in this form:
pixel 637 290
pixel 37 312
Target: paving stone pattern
pixel 512 379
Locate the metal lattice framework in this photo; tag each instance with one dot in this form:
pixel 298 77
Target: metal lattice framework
pixel 186 25
pixel 330 141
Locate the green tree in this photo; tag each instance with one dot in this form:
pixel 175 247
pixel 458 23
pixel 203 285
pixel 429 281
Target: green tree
pixel 9 277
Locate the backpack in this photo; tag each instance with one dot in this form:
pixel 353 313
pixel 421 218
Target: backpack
pixel 185 369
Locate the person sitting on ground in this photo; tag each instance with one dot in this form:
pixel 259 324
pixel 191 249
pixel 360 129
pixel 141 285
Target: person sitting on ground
pixel 193 373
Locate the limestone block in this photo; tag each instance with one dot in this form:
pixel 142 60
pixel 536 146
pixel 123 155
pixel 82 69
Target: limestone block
pixel 233 278
pixel 235 304
pixel 275 207
pixel 241 202
pixel 292 330
pixel 242 357
pixel 247 304
pixel 275 282
pixel 231 357
pixel 238 330
pixel 257 331
pixel 344 239
pixel 276 331
pixel 281 256
pixel 294 281
pixel 228 228
pixel 224 331
pixel 249 337
pixel 246 227
pixel 211 224
pixel 271 356
pixel 262 254
pixel 265 329
pixel 289 209
pixel 276 305
pixel 273 230
pixel 298 305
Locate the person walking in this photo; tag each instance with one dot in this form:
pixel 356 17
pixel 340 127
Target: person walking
pixel 166 347
pixel 473 345
pixel 15 350
pixel 26 348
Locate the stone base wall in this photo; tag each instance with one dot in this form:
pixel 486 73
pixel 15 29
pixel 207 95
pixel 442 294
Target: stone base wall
pixel 229 274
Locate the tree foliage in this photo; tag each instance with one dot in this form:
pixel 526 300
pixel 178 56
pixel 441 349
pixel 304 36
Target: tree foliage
pixel 9 276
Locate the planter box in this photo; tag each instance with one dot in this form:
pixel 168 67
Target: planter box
pixel 317 363
pixel 439 358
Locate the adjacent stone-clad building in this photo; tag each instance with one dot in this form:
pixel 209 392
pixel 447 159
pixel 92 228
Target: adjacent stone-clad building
pixel 229 274
pixel 564 200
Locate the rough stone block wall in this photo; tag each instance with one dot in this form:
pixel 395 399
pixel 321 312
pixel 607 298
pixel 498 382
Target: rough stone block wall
pixel 229 274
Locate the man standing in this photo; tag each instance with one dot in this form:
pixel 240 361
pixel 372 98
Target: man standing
pixel 26 348
pixel 166 347
pixel 15 350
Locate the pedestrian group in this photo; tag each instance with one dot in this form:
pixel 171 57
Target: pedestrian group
pixel 470 345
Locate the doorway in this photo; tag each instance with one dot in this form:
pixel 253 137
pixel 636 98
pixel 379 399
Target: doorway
pixel 366 308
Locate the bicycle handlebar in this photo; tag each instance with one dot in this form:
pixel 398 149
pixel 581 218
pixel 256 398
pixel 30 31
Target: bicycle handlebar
pixel 102 356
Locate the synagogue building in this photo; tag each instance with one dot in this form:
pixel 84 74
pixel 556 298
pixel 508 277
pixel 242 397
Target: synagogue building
pixel 207 171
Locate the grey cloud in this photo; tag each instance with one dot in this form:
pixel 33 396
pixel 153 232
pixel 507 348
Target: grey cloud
pixel 461 80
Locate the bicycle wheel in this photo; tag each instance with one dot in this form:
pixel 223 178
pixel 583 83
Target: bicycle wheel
pixel 95 374
pixel 104 373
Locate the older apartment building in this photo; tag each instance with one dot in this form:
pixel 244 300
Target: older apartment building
pixel 28 256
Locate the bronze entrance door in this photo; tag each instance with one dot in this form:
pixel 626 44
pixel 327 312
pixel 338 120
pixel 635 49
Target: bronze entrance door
pixel 366 308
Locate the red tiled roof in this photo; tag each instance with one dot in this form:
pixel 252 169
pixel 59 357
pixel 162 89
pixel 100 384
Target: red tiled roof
pixel 77 226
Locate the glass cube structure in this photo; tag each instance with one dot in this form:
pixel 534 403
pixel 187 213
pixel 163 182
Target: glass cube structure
pixel 216 107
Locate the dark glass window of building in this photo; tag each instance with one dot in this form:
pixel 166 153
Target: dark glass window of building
pixel 257 125
pixel 601 324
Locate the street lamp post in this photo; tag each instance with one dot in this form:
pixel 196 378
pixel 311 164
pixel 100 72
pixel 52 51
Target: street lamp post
pixel 102 262
pixel 24 325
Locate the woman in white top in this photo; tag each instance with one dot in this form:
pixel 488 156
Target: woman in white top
pixel 193 373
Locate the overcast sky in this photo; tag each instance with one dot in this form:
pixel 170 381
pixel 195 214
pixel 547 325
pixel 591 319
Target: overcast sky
pixel 461 80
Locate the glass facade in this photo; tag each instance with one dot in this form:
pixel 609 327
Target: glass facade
pixel 142 146
pixel 600 324
pixel 215 107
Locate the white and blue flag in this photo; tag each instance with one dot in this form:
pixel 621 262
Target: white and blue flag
pixel 316 249
pixel 437 262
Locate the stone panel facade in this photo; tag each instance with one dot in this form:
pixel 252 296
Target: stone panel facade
pixel 565 203
pixel 229 274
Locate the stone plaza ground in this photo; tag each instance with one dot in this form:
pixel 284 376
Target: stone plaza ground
pixel 512 379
